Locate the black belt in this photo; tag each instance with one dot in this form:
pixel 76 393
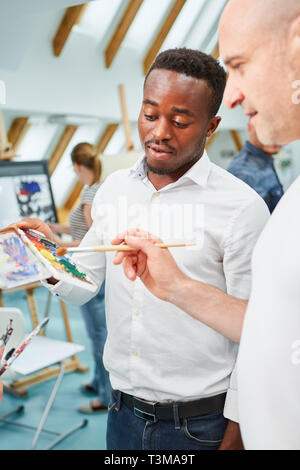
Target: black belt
pixel 152 411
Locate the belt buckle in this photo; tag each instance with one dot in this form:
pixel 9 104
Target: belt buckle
pixel 142 414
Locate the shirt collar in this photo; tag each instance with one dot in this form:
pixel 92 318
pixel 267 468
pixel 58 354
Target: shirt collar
pixel 258 152
pixel 198 173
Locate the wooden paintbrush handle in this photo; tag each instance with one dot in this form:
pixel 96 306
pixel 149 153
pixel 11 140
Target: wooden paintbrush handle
pixel 129 248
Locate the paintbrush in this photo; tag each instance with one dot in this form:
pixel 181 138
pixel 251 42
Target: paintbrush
pixel 101 248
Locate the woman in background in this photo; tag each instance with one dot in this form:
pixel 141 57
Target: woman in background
pixel 87 167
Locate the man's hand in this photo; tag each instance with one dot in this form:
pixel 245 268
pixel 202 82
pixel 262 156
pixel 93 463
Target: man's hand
pixel 33 224
pixel 155 266
pixel 1 391
pixel 232 438
pixel 160 274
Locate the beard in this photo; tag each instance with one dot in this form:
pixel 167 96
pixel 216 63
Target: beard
pixel 160 171
pixel 168 171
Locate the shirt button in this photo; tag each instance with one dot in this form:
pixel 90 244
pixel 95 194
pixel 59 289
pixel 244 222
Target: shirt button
pixel 135 353
pixel 137 313
pixel 157 194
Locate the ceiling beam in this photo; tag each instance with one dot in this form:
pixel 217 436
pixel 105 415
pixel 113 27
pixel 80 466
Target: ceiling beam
pixel 216 53
pixel 71 17
pixel 17 131
pixel 101 146
pixel 73 196
pixel 60 148
pixel 162 34
pixel 237 140
pixel 121 31
pixel 106 137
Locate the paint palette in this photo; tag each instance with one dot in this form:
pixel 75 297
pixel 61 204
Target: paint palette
pixel 61 268
pixel 18 265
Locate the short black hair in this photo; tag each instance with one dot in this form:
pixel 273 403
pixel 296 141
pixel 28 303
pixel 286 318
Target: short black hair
pixel 195 64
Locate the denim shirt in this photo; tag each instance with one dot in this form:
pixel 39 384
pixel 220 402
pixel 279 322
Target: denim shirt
pixel 256 168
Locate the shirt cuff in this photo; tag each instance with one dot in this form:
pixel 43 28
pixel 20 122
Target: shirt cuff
pixel 60 289
pixel 231 405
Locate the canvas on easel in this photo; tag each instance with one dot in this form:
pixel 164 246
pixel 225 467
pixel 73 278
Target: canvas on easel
pixel 27 191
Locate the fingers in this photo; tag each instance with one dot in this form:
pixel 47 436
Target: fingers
pixel 1 391
pixel 130 267
pixel 136 238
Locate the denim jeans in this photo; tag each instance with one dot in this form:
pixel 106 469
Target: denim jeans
pixel 94 317
pixel 125 431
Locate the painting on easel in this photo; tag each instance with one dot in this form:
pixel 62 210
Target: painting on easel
pixel 27 192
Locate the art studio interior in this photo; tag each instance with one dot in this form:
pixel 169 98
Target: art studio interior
pixel 81 104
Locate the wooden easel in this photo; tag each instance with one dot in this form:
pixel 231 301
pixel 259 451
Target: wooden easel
pixel 19 387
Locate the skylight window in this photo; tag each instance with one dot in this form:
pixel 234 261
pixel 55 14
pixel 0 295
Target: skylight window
pixel 98 17
pixel 207 22
pixel 146 24
pixel 36 141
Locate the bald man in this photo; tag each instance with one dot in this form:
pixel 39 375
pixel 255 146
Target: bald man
pixel 260 45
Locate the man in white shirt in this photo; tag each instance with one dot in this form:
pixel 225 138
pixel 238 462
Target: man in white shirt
pixel 260 44
pixel 170 373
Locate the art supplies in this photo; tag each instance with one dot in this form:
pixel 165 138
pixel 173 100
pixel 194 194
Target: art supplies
pixel 61 268
pixel 101 248
pixel 12 331
pixel 18 266
pixel 21 348
pixel 5 337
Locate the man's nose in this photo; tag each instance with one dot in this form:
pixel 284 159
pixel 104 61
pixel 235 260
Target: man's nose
pixel 232 95
pixel 161 130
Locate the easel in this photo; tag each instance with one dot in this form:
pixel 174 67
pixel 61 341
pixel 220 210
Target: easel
pixel 19 387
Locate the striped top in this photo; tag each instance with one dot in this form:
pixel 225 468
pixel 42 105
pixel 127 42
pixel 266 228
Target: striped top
pixel 78 223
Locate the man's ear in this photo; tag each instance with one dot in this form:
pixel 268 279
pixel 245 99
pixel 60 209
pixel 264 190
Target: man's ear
pixel 212 125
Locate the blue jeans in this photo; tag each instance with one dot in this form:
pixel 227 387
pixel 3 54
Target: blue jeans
pixel 125 431
pixel 94 317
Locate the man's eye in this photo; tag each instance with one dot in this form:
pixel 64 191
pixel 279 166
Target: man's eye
pixel 149 117
pixel 236 66
pixel 180 125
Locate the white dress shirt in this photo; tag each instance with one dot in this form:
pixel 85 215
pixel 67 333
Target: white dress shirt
pixel 154 350
pixel 269 359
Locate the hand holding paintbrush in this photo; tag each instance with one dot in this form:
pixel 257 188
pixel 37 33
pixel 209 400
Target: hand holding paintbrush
pixel 102 248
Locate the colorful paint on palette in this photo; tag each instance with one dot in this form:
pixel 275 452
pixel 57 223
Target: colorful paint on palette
pixel 48 250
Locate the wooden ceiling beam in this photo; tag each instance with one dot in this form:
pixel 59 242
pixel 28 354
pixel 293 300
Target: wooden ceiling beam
pixel 216 53
pixel 237 140
pixel 101 146
pixel 121 31
pixel 60 148
pixel 71 17
pixel 106 137
pixel 73 196
pixel 17 131
pixel 162 34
